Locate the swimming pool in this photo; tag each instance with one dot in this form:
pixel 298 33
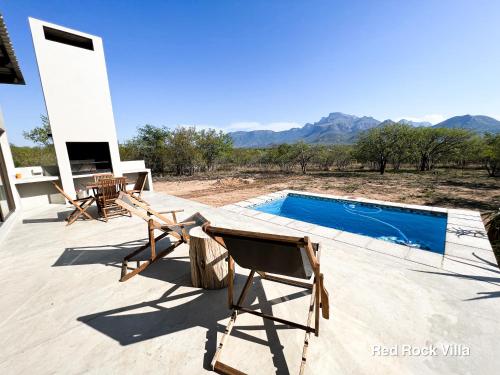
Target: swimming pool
pixel 420 229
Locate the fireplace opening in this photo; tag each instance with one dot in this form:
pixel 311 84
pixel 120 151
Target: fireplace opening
pixel 89 157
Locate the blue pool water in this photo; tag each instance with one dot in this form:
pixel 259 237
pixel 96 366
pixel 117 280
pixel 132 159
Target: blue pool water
pixel 424 230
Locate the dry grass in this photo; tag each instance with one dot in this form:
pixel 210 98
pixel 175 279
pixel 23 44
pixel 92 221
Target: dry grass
pixel 470 189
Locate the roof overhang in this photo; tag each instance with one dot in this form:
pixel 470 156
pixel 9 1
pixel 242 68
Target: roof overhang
pixel 9 67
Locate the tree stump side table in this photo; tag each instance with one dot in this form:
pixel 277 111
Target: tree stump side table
pixel 208 261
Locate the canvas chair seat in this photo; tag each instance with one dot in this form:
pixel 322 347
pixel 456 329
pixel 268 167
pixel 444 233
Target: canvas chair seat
pixel 276 258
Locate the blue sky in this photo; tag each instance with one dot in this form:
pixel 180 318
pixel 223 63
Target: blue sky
pixel 272 64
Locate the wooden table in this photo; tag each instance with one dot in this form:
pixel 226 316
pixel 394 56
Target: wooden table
pixel 208 261
pixel 93 185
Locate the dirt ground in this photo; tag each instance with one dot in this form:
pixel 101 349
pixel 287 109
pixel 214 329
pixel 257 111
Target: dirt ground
pixel 471 189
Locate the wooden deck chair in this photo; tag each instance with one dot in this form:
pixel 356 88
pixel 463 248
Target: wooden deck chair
pixel 108 190
pixel 156 221
pixel 81 205
pixel 271 255
pixel 97 178
pixel 136 192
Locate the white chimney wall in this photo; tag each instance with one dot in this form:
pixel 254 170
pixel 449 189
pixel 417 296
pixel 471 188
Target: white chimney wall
pixel 76 90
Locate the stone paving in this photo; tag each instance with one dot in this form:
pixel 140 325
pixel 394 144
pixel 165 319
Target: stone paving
pixel 63 310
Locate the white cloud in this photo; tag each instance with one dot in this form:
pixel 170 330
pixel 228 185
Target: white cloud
pixel 199 126
pixel 248 125
pixel 432 118
pixel 253 125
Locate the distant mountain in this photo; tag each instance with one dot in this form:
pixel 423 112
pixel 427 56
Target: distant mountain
pixel 416 124
pixel 339 127
pixel 335 128
pixel 478 124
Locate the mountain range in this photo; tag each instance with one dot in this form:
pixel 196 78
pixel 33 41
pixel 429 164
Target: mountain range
pixel 339 127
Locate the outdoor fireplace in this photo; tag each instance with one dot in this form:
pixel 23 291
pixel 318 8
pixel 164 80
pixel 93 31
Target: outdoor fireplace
pixel 76 90
pixel 89 157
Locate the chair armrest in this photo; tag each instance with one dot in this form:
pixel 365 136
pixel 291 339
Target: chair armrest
pixel 171 211
pixel 84 199
pixel 186 223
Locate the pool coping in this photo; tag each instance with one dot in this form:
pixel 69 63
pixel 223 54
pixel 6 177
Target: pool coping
pixel 465 232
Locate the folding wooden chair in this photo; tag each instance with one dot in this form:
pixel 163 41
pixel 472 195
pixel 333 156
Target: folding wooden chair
pixel 108 190
pixel 136 192
pixel 270 255
pixel 102 176
pixel 156 221
pixel 81 205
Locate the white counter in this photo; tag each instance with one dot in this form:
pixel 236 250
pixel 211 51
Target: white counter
pixel 34 179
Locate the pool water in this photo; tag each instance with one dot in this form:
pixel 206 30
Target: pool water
pixel 421 229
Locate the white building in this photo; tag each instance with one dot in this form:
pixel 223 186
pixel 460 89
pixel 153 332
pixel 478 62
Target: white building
pixel 76 90
pixel 9 74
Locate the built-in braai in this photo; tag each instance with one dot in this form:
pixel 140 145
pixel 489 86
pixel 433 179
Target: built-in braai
pixel 76 90
pixel 89 157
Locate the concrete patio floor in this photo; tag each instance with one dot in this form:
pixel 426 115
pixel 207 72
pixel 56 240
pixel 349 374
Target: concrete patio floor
pixel 63 310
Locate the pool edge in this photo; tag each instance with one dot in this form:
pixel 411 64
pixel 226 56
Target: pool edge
pixel 465 231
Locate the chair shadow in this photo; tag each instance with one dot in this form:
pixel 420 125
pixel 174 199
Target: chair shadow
pixel 486 261
pixel 62 215
pixel 481 264
pixel 205 308
pixel 476 233
pixel 487 279
pixel 112 256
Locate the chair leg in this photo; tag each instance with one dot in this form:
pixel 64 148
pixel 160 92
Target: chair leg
pixel 325 299
pixel 153 258
pixel 316 303
pixel 216 365
pixel 72 217
pixel 314 307
pixel 312 304
pixel 85 206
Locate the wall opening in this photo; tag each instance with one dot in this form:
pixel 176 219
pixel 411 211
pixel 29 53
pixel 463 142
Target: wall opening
pixel 64 37
pixel 89 157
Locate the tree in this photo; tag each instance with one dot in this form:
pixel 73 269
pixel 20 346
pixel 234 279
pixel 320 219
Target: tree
pixel 402 137
pixel 490 154
pixel 40 135
pixel 150 145
pixel 30 156
pixel 303 154
pixel 431 144
pixel 323 157
pixel 245 157
pixel 382 144
pixel 282 155
pixel 182 151
pixel 468 152
pixel 43 153
pixel 212 145
pixel 338 155
pixel 129 151
pixel 342 156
